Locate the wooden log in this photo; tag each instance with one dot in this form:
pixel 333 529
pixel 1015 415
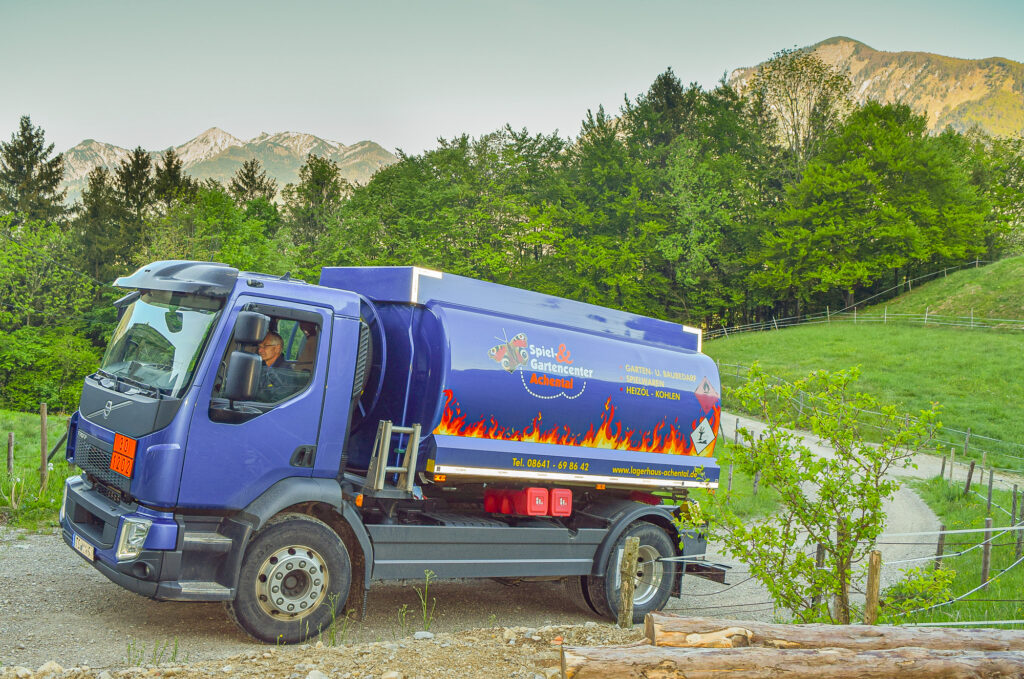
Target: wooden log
pixel 648 662
pixel 663 629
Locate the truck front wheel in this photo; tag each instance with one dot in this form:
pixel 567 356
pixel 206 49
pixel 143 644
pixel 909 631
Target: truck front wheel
pixel 654 578
pixel 295 576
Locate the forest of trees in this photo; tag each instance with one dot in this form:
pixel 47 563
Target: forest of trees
pixel 707 207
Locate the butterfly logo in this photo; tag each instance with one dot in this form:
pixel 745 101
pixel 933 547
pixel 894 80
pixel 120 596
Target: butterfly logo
pixel 511 354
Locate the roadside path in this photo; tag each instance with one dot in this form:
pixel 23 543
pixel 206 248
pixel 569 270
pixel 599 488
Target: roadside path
pixel 54 606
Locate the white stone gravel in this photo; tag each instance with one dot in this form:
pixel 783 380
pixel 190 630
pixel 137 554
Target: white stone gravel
pixel 55 607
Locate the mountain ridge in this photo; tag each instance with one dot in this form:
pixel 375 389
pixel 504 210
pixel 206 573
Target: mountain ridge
pixel 948 91
pixel 216 154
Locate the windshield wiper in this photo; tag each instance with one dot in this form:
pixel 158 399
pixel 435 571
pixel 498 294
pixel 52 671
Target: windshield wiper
pixel 119 380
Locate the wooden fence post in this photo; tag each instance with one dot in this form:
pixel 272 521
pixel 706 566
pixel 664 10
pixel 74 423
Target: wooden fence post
pixel 44 470
pixel 729 487
pixel 819 563
pixel 1020 534
pixel 627 572
pixel 989 508
pixel 967 441
pixel 736 433
pixel 874 573
pixel 952 463
pixel 970 473
pixel 10 453
pixel 942 472
pixel 757 481
pixel 1013 507
pixel 941 548
pixel 986 552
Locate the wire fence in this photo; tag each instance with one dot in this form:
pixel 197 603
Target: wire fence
pixel 855 314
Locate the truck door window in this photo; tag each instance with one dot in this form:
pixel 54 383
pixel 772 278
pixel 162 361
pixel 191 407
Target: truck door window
pixel 290 347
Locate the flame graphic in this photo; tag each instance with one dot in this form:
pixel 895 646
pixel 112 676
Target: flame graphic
pixel 665 438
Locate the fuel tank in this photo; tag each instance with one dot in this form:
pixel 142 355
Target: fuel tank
pixel 526 387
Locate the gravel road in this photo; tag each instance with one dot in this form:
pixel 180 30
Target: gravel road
pixel 55 607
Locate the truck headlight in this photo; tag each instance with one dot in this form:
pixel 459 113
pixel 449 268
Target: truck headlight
pixel 133 536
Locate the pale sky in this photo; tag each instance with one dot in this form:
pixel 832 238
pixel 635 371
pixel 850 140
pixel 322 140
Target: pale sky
pixel 404 73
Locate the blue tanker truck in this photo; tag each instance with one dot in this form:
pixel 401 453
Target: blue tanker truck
pixel 413 421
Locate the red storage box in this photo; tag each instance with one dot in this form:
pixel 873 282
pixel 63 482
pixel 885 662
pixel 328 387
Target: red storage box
pixel 531 501
pixel 528 501
pixel 560 502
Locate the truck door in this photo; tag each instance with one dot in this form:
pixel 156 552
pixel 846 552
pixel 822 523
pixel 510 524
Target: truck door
pixel 236 451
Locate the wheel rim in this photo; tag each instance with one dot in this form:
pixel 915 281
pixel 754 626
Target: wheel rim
pixel 649 575
pixel 291 582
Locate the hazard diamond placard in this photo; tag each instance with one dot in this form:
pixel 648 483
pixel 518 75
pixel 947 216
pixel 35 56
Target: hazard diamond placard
pixel 706 394
pixel 702 437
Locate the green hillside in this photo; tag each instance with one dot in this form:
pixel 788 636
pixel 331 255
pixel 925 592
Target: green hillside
pixel 973 374
pixel 992 291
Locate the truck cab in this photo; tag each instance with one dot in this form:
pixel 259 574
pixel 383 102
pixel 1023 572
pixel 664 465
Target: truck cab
pixel 283 490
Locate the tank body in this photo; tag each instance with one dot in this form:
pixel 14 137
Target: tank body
pixel 517 385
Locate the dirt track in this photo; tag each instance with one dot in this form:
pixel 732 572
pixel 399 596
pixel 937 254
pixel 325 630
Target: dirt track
pixel 55 607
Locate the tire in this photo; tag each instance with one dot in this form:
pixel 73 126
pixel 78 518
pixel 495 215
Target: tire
pixel 576 588
pixel 294 580
pixel 654 578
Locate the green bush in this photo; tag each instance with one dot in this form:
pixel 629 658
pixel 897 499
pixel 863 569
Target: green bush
pixel 44 365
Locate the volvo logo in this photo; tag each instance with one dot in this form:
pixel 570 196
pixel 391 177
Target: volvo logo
pixel 108 408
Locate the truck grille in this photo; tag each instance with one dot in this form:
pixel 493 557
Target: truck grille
pixel 93 457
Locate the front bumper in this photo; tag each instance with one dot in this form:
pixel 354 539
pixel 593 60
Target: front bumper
pixel 183 559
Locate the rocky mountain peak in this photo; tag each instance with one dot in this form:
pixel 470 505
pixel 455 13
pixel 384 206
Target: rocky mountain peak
pixel 216 154
pixel 961 93
pixel 206 145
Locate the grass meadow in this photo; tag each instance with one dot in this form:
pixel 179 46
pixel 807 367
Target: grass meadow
pixel 972 374
pixel 22 502
pixel 1002 599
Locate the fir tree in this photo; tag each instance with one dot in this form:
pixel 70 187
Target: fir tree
pixel 100 217
pixel 29 178
pixel 170 182
pixel 312 204
pixel 135 187
pixel 251 182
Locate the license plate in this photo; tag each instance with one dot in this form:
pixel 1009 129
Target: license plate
pixel 87 550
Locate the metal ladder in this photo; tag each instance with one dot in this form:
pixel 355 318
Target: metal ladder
pixel 379 468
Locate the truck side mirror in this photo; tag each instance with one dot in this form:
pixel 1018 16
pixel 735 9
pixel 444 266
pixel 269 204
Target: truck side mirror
pixel 251 327
pixel 242 378
pixel 122 304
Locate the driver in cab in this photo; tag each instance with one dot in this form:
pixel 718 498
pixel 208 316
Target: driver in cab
pixel 273 382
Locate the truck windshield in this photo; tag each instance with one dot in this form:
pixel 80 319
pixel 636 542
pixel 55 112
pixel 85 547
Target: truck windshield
pixel 159 340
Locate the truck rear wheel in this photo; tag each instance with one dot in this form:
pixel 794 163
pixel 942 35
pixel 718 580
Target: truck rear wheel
pixel 295 576
pixel 654 578
pixel 576 587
